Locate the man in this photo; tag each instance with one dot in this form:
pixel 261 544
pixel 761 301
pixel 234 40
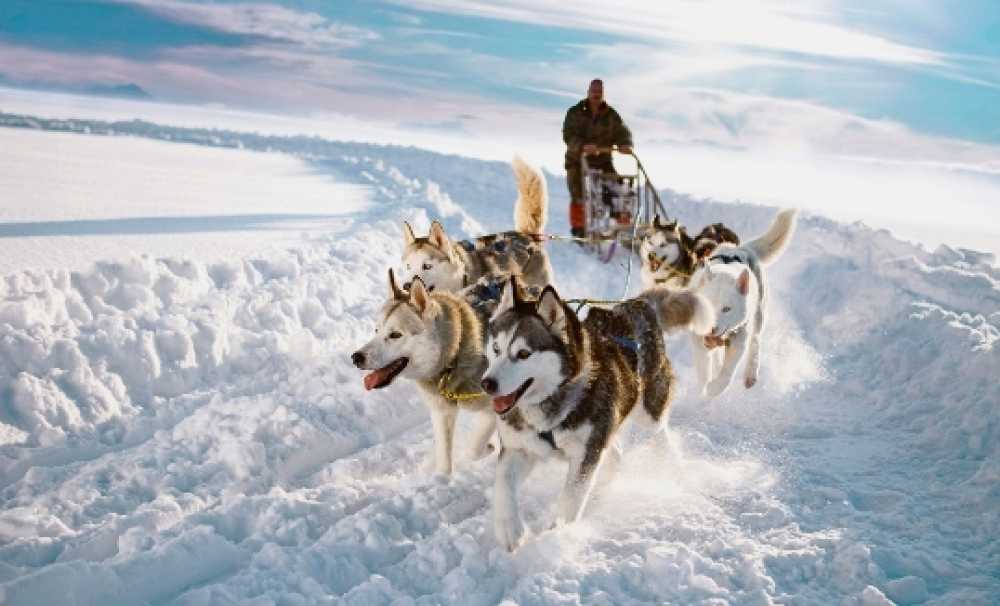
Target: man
pixel 589 125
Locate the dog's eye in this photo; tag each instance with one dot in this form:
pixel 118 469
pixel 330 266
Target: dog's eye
pixel 496 348
pixel 523 354
pixel 727 309
pixel 427 266
pixel 395 334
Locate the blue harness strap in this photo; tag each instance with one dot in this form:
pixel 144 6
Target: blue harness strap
pixel 727 259
pixel 630 344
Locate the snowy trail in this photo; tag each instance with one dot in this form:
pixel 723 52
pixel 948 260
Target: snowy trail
pixel 193 433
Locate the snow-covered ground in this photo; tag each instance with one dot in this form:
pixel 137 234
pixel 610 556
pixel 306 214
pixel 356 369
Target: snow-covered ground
pixel 67 200
pixel 185 430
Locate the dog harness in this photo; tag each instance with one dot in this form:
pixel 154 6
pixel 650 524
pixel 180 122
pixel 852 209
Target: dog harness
pixel 547 437
pixel 455 396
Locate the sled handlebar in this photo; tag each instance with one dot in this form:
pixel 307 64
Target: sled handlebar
pixel 606 150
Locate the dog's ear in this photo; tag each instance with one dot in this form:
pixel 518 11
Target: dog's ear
pixel 419 297
pixel 552 311
pixel 509 298
pixel 675 227
pixel 438 238
pixel 408 236
pixel 656 221
pixel 743 282
pixel 394 291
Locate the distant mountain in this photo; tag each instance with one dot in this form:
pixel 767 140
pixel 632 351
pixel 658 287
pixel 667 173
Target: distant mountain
pixel 131 91
pixel 125 91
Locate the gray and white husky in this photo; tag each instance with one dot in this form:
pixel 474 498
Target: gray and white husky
pixel 446 265
pixel 667 254
pixel 733 279
pixel 562 387
pixel 436 340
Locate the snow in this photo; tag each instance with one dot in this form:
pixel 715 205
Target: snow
pixel 68 200
pixel 186 428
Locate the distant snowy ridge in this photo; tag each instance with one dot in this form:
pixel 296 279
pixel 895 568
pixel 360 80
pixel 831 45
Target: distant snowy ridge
pixel 190 433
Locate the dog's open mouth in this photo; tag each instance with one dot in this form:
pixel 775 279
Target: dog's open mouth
pixel 378 379
pixel 654 261
pixel 504 404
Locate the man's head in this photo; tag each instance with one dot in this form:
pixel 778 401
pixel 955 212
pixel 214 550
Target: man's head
pixel 595 92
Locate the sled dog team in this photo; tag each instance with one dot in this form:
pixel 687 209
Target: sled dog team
pixel 478 326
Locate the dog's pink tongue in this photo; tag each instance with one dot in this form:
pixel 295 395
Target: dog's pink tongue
pixel 375 378
pixel 502 403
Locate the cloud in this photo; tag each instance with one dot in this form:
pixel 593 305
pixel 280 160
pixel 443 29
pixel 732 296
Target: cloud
pixel 787 27
pixel 268 22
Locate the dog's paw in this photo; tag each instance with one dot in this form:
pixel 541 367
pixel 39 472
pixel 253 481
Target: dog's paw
pixel 474 454
pixel 715 387
pixel 749 381
pixel 509 532
pixel 431 466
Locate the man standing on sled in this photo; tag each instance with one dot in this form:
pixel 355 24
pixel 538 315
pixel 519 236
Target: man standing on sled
pixel 589 125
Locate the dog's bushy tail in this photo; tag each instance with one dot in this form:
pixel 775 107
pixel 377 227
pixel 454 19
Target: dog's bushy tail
pixel 531 211
pixel 681 309
pixel 774 241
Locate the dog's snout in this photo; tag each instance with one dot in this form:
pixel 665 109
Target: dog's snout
pixel 489 385
pixel 358 359
pixel 407 285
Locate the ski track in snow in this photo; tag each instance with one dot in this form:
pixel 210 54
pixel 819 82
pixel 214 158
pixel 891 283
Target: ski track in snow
pixel 180 432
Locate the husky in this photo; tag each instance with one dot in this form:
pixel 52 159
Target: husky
pixel 436 340
pixel 732 278
pixel 667 254
pixel 710 238
pixel 444 265
pixel 562 388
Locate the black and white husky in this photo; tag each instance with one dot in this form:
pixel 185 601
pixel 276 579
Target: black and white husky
pixel 562 387
pixel 732 278
pixel 447 265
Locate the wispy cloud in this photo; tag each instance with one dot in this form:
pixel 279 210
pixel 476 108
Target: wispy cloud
pixel 267 21
pixel 747 24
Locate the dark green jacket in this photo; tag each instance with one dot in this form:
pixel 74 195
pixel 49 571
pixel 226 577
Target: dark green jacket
pixel 581 127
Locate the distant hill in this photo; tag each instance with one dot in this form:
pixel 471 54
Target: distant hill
pixel 131 91
pixel 125 91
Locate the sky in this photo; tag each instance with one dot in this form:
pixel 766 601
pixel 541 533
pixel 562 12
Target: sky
pixel 765 100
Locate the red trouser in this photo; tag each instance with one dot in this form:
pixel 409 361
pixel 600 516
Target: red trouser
pixel 577 214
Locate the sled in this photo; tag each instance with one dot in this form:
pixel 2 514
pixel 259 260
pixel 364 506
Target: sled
pixel 617 204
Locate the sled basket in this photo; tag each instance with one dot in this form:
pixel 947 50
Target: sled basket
pixel 618 204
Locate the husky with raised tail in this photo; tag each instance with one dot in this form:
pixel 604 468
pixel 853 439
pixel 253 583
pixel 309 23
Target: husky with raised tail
pixel 562 388
pixel 446 265
pixel 436 340
pixel 733 279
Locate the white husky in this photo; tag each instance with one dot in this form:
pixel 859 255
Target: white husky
pixel 732 279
